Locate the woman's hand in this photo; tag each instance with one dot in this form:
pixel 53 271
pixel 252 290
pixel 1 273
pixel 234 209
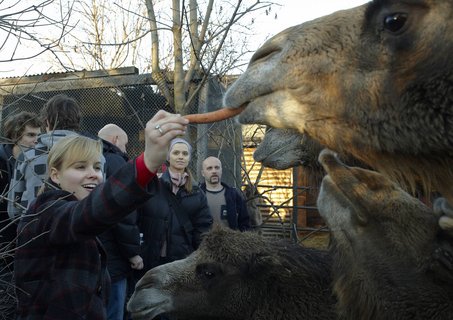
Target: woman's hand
pixel 159 131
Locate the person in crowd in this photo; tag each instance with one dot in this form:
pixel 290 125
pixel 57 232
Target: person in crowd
pixel 60 266
pixel 115 135
pixel 121 242
pixel 173 222
pixel 227 204
pixel 60 117
pixel 20 132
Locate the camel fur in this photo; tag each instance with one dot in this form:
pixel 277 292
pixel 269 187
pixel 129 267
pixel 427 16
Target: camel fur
pixel 239 276
pixel 373 81
pixel 387 248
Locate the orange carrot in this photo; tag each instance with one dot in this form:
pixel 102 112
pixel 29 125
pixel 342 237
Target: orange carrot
pixel 214 116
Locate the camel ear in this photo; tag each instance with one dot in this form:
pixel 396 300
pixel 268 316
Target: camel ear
pixel 261 263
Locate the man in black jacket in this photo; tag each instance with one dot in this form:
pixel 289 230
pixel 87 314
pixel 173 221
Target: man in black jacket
pixel 122 242
pixel 226 203
pixel 21 132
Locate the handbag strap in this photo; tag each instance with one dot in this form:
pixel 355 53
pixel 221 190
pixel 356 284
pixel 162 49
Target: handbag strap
pixel 175 203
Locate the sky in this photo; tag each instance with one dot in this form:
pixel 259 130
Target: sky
pixel 294 12
pixel 289 13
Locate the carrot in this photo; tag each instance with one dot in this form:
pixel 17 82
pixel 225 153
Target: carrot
pixel 214 116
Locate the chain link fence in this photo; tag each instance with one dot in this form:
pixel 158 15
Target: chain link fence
pixel 131 104
pixel 130 107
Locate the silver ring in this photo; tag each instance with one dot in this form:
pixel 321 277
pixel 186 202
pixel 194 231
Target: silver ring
pixel 157 127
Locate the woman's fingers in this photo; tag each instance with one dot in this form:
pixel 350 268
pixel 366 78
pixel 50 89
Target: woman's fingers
pixel 166 127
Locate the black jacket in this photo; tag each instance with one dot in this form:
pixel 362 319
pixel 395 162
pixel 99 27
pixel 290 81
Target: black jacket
pixel 238 217
pixel 122 241
pixel 182 219
pixel 8 229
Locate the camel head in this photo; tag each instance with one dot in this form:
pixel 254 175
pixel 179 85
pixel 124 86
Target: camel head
pixel 240 276
pixel 373 81
pixel 384 244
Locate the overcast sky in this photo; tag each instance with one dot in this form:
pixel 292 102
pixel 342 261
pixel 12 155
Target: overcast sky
pixel 293 12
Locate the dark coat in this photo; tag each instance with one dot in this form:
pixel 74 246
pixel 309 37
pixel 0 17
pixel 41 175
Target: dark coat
pixel 122 241
pixel 60 266
pixel 161 218
pixel 238 216
pixel 8 229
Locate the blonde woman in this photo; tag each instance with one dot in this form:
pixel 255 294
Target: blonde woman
pixel 60 266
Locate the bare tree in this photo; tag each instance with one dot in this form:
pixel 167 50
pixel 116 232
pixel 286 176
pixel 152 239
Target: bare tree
pixel 26 24
pixel 24 29
pixel 108 35
pixel 178 41
pixel 201 32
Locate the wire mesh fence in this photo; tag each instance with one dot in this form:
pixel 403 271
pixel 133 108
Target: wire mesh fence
pixel 130 107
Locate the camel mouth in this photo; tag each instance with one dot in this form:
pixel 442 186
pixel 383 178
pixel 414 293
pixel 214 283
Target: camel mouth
pixel 254 112
pixel 277 109
pixel 255 105
pixel 339 214
pixel 331 191
pixel 147 313
pixel 147 304
pixel 275 158
pixel 334 202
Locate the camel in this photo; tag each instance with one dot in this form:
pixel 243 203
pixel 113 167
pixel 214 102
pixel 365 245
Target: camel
pixel 382 243
pixel 388 260
pixel 285 148
pixel 373 81
pixel 239 276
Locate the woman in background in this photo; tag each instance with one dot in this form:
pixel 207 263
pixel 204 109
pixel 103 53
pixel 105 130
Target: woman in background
pixel 173 222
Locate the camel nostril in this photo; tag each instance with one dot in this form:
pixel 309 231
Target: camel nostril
pixel 265 52
pixel 144 284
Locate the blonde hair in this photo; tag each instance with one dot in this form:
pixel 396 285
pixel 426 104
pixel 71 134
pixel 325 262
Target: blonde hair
pixel 72 149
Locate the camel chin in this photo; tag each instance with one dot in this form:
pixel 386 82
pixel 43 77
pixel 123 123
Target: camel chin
pixel 139 304
pixel 282 149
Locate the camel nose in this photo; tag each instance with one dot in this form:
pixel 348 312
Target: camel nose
pixel 330 161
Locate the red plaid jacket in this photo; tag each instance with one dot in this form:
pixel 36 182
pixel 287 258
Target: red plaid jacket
pixel 60 265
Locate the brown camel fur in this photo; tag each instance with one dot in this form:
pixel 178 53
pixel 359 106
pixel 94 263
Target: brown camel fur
pixel 383 242
pixel 239 276
pixel 373 81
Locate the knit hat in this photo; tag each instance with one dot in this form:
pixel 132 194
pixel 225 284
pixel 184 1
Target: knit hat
pixel 178 140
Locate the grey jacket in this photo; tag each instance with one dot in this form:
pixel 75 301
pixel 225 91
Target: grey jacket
pixel 31 172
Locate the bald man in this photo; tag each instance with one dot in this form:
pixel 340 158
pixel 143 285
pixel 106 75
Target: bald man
pixel 122 242
pixel 227 204
pixel 115 135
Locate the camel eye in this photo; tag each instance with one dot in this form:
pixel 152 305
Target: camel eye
pixel 395 21
pixel 208 271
